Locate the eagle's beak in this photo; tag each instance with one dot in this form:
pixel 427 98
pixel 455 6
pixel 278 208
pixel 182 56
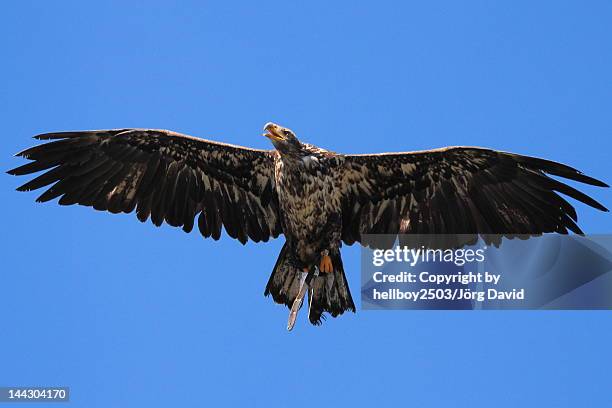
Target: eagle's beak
pixel 273 132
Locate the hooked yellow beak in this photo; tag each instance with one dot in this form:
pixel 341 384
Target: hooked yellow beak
pixel 273 131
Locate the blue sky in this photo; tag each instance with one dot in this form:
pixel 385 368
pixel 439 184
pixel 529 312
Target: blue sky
pixel 128 314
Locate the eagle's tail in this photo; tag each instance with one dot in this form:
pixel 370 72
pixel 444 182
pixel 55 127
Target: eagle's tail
pixel 329 292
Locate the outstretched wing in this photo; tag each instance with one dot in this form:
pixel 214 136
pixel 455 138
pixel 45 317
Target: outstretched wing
pixel 458 190
pixel 161 174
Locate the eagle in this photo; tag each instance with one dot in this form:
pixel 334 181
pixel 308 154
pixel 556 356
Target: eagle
pixel 316 198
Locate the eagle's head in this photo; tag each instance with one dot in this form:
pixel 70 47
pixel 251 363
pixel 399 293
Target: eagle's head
pixel 283 139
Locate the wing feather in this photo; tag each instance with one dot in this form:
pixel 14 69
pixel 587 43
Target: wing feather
pixel 163 175
pixel 458 190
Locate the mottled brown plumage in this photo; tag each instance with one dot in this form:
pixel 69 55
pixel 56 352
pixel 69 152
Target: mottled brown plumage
pixel 316 198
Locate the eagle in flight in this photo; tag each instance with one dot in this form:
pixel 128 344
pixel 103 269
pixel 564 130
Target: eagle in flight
pixel 316 198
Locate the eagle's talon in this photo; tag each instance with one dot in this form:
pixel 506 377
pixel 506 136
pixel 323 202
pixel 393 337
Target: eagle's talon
pixel 326 265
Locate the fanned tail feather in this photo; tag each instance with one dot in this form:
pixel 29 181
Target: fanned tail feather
pixel 328 292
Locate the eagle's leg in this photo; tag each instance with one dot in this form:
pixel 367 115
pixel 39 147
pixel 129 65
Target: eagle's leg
pixel 305 279
pixel 326 265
